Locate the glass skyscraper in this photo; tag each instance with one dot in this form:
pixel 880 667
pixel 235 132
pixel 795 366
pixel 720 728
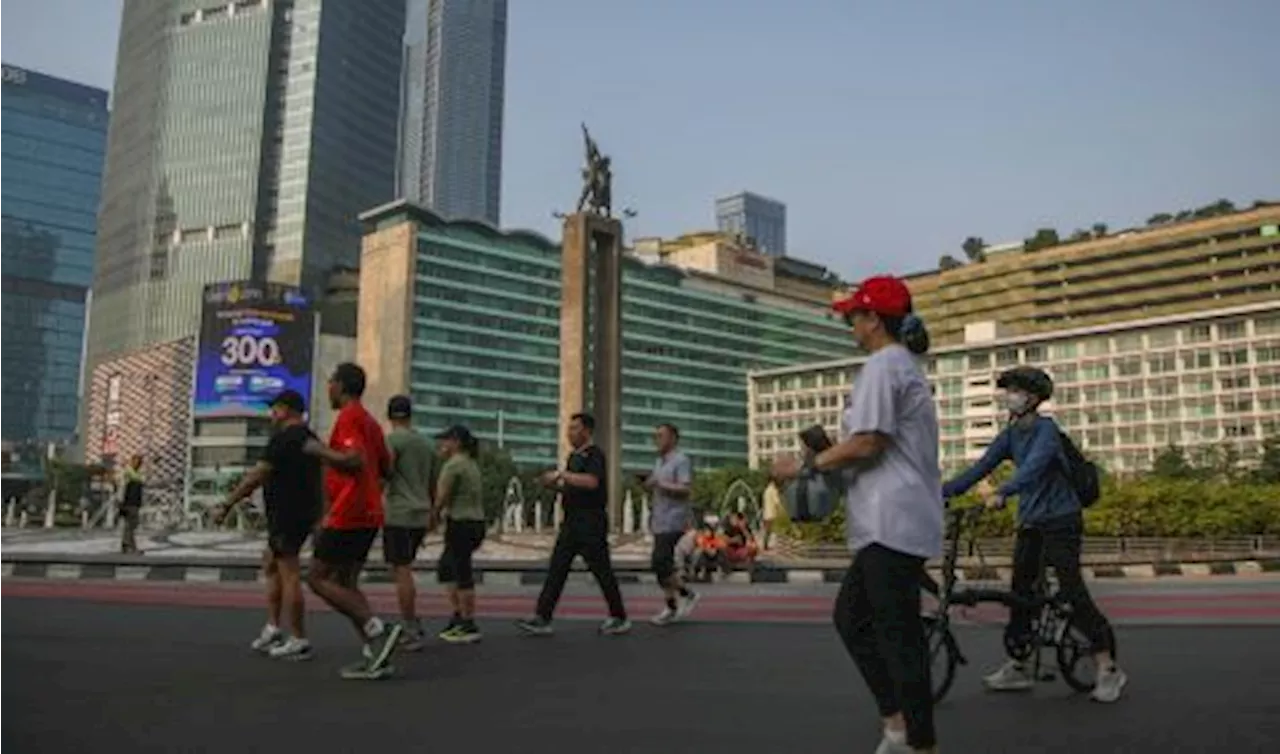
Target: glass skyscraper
pixel 453 92
pixel 485 342
pixel 55 134
pixel 760 219
pixel 248 135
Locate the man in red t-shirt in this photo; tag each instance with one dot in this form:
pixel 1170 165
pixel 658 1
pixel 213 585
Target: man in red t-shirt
pixel 353 488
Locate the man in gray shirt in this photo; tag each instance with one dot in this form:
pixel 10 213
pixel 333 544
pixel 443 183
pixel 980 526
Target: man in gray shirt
pixel 669 484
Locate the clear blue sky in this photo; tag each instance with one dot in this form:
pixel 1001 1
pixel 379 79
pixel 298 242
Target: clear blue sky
pixel 892 129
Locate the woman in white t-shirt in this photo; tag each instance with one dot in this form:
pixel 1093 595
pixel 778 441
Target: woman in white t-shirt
pixel 893 504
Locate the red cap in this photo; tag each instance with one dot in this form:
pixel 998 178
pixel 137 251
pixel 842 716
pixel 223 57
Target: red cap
pixel 881 294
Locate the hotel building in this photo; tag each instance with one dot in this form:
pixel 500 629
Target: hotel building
pixel 1124 390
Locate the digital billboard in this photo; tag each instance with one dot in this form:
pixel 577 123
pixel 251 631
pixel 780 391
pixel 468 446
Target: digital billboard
pixel 256 340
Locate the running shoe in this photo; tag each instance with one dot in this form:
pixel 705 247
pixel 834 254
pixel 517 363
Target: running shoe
pixel 465 632
pixel 413 639
pixel 293 649
pixel 454 620
pixel 686 605
pixel 381 647
pixel 535 626
pixel 666 617
pixel 363 671
pixel 1109 685
pixel 1012 676
pixel 615 627
pixel 268 638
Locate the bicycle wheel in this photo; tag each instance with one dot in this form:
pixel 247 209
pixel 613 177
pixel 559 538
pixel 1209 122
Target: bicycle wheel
pixel 1075 657
pixel 944 655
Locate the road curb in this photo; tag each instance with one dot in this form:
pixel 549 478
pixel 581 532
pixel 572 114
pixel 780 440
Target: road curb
pixel 532 573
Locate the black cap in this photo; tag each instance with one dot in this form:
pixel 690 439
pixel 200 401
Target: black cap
pixel 457 432
pixel 400 407
pixel 292 400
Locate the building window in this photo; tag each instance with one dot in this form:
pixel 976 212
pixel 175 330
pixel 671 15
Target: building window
pixel 1035 354
pixel 1231 331
pixel 1235 357
pixel 1162 339
pixel 1127 343
pixel 1197 334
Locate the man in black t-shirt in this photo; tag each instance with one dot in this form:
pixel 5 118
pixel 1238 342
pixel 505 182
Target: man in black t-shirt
pixel 584 495
pixel 289 473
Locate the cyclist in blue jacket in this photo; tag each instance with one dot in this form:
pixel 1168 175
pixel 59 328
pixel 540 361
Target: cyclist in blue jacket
pixel 1050 527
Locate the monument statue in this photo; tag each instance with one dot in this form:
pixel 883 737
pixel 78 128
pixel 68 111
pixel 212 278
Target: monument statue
pixel 597 180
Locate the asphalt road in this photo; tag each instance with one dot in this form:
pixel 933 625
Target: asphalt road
pixel 86 676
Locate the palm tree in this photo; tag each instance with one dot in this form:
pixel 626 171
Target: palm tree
pixel 974 248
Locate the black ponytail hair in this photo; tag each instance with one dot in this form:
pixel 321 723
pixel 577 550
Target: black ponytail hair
pixel 470 445
pixel 908 330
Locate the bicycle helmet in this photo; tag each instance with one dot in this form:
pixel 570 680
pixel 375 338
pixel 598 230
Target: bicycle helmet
pixel 1029 380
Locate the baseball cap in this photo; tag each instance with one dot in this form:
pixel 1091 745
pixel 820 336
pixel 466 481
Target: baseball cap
pixel 881 294
pixel 292 400
pixel 399 407
pixel 456 432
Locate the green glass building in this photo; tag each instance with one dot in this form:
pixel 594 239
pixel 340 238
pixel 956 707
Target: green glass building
pixel 485 341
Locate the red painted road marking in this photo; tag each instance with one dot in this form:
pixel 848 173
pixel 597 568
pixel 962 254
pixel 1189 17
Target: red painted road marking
pixel 739 608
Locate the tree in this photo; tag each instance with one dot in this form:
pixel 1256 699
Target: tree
pixel 1171 463
pixel 974 249
pixel 496 471
pixel 948 262
pixel 1268 471
pixel 1044 238
pixel 1160 218
pixel 1099 230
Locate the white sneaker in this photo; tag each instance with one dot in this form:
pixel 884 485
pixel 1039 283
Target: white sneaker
pixel 1109 685
pixel 292 648
pixel 665 618
pixel 270 637
pixel 896 745
pixel 1012 676
pixel 687 604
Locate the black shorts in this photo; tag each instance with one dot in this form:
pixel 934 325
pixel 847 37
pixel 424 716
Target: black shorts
pixel 663 559
pixel 461 540
pixel 286 538
pixel 400 543
pixel 343 546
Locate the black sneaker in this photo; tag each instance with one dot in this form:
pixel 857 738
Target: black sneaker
pixel 536 626
pixel 454 622
pixel 466 632
pixel 615 627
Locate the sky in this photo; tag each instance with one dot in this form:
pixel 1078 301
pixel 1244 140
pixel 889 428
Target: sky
pixel 892 129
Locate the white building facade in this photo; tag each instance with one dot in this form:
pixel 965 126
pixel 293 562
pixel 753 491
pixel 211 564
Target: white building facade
pixel 1124 391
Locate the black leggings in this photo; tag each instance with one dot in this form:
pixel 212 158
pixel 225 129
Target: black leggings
pixel 1056 544
pixel 877 614
pixel 461 540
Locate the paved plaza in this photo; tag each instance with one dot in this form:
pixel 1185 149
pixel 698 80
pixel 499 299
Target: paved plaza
pixel 85 671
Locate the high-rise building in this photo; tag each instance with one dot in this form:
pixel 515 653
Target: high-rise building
pixel 762 220
pixel 248 136
pixel 1124 390
pixel 466 319
pixel 55 134
pixel 1168 268
pixel 453 90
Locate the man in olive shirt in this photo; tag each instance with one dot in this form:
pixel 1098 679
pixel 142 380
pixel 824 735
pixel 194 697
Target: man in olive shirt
pixel 408 509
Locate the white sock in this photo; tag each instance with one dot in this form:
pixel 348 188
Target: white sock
pixel 373 628
pixel 896 736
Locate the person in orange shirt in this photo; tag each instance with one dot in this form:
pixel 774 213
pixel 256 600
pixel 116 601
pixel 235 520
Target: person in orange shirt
pixel 353 488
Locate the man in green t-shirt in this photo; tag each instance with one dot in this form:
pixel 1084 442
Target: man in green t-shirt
pixel 407 509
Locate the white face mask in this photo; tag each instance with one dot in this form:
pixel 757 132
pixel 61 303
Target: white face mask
pixel 1016 403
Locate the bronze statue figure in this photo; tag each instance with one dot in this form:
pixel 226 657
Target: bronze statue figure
pixel 597 179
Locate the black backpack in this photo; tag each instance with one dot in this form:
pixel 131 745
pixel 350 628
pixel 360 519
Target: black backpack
pixel 1081 473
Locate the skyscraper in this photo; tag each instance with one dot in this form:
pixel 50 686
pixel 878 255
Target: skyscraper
pixel 455 57
pixel 760 219
pixel 249 135
pixel 55 133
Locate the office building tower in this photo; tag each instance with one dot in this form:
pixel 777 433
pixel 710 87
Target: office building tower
pixel 475 335
pixel 762 220
pixel 248 136
pixel 55 134
pixel 455 58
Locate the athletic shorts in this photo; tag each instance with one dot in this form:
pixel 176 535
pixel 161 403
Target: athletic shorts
pixel 400 543
pixel 343 546
pixel 663 559
pixel 286 538
pixel 461 540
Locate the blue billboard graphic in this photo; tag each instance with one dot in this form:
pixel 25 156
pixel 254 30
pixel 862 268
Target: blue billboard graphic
pixel 256 340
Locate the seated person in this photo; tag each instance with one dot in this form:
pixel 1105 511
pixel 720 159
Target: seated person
pixel 709 554
pixel 740 543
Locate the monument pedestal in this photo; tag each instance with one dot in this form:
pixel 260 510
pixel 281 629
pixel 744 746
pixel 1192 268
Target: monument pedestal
pixel 591 338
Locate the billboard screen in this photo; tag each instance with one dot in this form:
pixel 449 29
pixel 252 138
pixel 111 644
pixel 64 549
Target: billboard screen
pixel 256 339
